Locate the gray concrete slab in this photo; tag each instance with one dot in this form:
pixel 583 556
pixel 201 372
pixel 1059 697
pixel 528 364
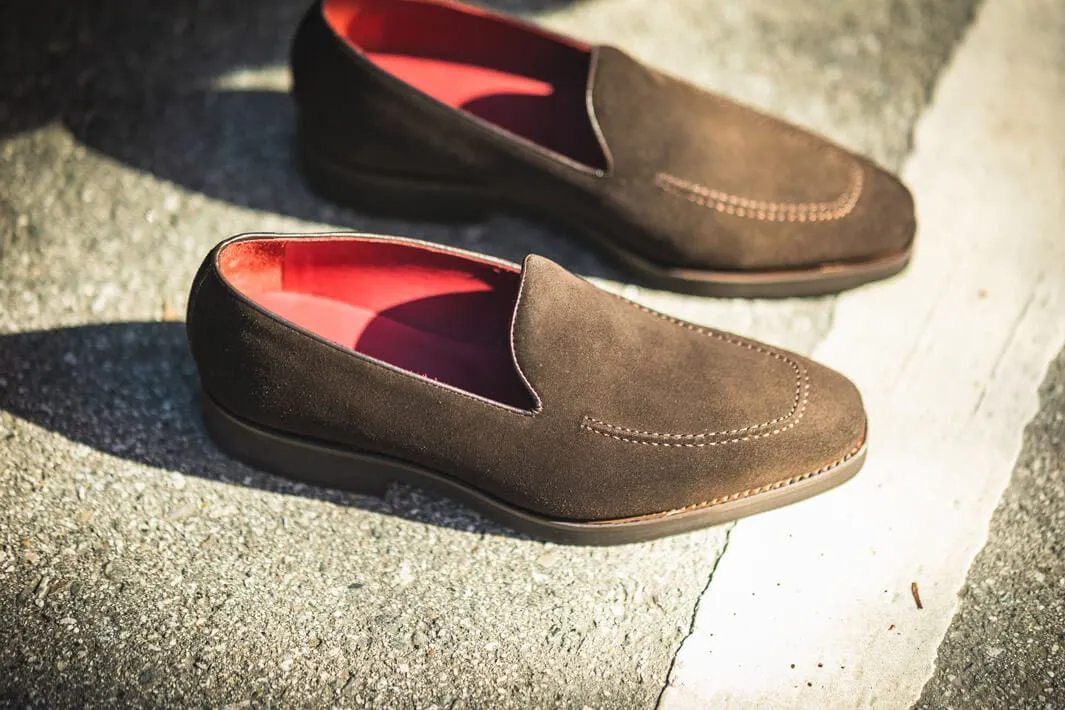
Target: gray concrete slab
pixel 137 565
pixel 842 602
pixel 1006 645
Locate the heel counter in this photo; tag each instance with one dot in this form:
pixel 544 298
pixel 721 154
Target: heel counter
pixel 245 358
pixel 217 328
pixel 310 47
pixel 350 112
pixel 200 328
pixel 193 309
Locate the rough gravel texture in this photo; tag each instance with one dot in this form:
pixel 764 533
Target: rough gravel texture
pixel 140 567
pixel 1006 645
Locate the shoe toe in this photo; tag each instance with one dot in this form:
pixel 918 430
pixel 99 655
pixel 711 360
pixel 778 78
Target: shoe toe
pixel 883 223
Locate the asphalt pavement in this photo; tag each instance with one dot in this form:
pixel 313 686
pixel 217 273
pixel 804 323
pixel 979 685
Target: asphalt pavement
pixel 140 567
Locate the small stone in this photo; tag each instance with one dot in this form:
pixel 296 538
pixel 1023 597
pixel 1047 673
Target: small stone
pixel 548 559
pixel 314 642
pixel 419 639
pixel 169 315
pixel 31 556
pixel 147 677
pixel 405 575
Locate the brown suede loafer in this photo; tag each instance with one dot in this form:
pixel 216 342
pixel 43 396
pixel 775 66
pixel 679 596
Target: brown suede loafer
pixel 551 405
pixel 431 109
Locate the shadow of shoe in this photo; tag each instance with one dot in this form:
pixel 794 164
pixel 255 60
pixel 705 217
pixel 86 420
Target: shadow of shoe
pixel 237 146
pixel 141 84
pixel 131 390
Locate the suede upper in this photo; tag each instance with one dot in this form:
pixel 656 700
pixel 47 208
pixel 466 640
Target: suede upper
pixel 726 185
pixel 637 414
pixel 693 180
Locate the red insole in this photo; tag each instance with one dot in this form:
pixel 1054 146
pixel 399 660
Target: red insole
pixel 455 83
pixel 520 80
pixel 433 314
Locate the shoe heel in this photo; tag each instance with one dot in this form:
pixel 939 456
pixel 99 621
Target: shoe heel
pixel 386 195
pixel 291 457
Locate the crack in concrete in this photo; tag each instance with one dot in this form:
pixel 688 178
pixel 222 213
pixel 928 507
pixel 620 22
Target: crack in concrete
pixel 695 614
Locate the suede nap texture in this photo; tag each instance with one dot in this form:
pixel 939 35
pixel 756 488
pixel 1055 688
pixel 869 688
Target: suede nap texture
pixel 639 414
pixel 694 181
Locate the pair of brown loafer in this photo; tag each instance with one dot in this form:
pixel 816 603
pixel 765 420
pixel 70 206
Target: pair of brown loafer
pixel 562 410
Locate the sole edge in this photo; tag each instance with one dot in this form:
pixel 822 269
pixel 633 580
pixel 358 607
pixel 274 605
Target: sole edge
pixel 308 461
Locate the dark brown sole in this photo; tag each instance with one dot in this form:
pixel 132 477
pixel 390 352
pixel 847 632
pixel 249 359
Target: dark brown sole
pixel 404 198
pixel 320 464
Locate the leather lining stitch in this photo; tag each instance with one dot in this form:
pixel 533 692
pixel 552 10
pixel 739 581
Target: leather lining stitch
pixel 761 209
pixel 742 494
pixel 795 414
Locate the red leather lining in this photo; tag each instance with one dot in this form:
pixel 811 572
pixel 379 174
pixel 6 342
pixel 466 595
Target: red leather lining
pixel 527 82
pixel 435 314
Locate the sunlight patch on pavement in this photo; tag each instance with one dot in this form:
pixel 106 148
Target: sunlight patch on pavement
pixel 817 605
pixel 271 78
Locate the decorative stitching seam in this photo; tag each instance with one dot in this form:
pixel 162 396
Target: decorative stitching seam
pixel 762 209
pixel 743 494
pixel 651 438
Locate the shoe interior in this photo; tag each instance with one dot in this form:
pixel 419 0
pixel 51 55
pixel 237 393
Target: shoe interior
pixel 529 83
pixel 439 315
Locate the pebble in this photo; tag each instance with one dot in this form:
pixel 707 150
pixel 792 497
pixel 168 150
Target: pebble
pixel 405 575
pixel 549 558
